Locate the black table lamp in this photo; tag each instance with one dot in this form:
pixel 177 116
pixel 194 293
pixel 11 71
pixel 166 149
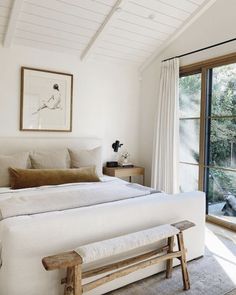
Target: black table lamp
pixel 116 145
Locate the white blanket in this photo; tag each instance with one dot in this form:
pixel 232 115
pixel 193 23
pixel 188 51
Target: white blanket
pixel 64 197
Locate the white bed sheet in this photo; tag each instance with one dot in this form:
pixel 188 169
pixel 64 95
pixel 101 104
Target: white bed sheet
pixel 25 240
pixel 7 189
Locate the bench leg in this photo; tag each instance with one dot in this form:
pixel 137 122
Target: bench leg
pixel 73 285
pixel 169 263
pixel 77 280
pixel 69 281
pixel 185 276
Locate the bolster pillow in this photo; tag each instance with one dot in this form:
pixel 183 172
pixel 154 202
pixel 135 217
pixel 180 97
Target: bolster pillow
pixel 25 178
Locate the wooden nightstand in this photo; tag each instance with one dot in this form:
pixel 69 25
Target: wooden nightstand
pixel 125 172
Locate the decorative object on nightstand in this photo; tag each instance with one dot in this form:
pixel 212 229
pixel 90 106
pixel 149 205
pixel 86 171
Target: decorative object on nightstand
pixel 116 145
pixel 125 172
pixel 112 164
pixel 125 160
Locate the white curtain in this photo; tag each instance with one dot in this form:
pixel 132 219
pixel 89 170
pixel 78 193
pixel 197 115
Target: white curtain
pixel 166 137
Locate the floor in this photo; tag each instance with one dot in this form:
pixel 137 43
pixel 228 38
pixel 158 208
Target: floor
pixel 222 232
pixel 215 274
pixel 233 292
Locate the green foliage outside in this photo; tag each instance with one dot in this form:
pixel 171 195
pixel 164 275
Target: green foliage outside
pixel 222 151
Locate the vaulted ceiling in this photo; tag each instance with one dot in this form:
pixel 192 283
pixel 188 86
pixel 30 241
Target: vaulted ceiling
pixel 125 30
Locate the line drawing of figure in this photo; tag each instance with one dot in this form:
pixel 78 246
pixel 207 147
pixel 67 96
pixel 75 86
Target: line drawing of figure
pixel 53 102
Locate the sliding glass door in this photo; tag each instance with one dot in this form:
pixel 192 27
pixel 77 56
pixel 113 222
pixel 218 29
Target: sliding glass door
pixel 208 137
pixel 221 142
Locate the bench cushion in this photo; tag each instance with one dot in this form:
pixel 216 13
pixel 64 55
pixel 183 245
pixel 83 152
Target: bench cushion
pixel 122 244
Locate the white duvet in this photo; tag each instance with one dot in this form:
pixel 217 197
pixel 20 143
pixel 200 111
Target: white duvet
pixel 64 197
pixel 27 235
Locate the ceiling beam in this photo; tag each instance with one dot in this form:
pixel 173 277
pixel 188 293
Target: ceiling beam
pixel 12 22
pixel 203 8
pixel 102 29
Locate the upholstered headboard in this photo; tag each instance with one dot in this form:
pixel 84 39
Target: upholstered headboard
pixel 9 145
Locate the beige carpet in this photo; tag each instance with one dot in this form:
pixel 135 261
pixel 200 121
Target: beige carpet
pixel 215 274
pixel 233 292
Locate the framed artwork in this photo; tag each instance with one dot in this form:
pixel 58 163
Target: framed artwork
pixel 46 100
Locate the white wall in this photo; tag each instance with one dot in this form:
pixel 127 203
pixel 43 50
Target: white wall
pixel 106 96
pixel 216 25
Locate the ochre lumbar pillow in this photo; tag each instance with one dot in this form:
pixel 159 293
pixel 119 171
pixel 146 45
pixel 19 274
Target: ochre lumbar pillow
pixel 25 178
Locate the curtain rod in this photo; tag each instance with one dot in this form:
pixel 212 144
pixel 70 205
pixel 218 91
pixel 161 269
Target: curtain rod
pixel 201 49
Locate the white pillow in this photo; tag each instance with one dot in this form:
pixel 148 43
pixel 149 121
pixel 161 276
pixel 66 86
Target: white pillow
pixel 20 160
pixel 85 158
pixel 53 159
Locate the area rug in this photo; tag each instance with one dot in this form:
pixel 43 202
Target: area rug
pixel 211 275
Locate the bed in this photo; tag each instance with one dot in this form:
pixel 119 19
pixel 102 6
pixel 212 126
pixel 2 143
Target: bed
pixel 27 236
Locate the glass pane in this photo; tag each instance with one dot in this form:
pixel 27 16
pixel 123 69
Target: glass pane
pixel 223 143
pixel 190 96
pixel 222 193
pixel 189 140
pixel 224 91
pixel 188 177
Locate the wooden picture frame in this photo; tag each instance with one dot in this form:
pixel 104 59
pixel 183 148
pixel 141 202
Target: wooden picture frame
pixel 46 100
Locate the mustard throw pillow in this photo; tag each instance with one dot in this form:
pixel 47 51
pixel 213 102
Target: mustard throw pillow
pixel 25 178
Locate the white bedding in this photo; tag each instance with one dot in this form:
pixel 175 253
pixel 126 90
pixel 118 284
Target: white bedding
pixel 63 197
pixel 7 189
pixel 25 239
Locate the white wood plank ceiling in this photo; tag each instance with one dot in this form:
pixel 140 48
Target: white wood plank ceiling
pixel 122 30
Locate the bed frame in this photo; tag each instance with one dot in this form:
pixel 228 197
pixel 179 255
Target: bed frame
pixel 10 145
pixel 21 252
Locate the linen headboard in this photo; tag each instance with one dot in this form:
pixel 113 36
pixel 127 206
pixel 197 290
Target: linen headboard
pixel 10 145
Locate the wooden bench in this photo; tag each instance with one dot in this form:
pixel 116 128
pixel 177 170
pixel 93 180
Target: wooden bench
pixel 72 261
